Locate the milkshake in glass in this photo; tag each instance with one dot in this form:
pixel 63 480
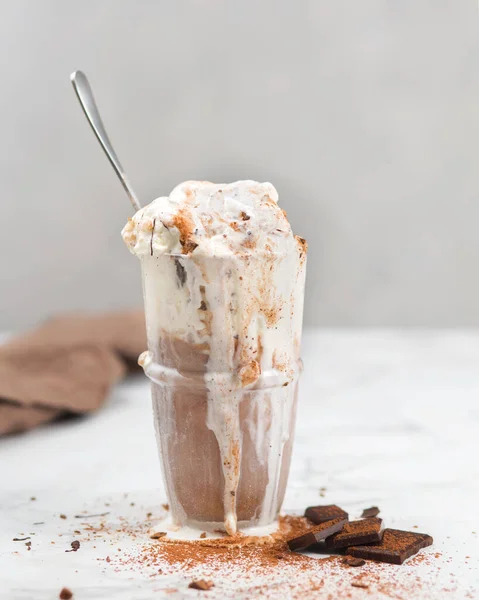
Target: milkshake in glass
pixel 223 283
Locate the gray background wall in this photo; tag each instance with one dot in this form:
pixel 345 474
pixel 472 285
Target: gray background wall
pixel 364 114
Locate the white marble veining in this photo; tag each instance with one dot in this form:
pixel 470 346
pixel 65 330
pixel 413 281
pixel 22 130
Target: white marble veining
pixel 386 417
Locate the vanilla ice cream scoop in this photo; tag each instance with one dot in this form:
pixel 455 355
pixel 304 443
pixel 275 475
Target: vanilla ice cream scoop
pixel 211 219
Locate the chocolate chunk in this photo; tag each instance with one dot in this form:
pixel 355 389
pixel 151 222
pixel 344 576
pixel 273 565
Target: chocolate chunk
pixel 370 512
pixel 320 514
pixel 151 239
pixel 65 594
pixel 351 561
pixel 201 584
pixel 157 535
pixel 395 547
pixel 316 534
pixel 360 584
pixel 367 531
pixel 188 246
pixel 21 539
pixel 180 273
pixel 75 546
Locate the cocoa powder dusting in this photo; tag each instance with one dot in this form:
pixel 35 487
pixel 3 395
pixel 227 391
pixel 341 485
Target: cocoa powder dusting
pixel 260 348
pixel 271 314
pixel 244 567
pixel 302 244
pixel 183 221
pixel 249 241
pixel 268 304
pixel 360 584
pixel 277 363
pixel 249 373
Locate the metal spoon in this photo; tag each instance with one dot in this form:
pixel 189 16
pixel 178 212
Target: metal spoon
pixel 85 96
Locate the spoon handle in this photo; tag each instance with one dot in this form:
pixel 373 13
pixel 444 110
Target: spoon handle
pixel 85 96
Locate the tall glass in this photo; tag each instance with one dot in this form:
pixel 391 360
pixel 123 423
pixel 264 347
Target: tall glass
pixel 223 358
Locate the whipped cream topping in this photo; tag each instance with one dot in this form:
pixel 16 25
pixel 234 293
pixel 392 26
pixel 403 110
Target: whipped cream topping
pixel 213 219
pixel 223 272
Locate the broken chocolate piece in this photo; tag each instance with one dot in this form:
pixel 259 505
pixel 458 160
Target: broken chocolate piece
pixel 320 514
pixel 367 531
pixel 151 239
pixel 157 535
pixel 351 561
pixel 201 584
pixel 21 539
pixel 395 547
pixel 65 594
pixel 370 512
pixel 188 246
pixel 75 546
pixel 316 534
pixel 180 273
pixel 360 584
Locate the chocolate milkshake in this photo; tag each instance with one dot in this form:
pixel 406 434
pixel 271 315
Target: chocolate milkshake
pixel 223 282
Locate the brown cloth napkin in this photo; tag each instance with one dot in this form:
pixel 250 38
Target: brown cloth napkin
pixel 66 366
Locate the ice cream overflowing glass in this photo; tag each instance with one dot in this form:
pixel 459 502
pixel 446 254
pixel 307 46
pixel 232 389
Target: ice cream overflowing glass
pixel 223 282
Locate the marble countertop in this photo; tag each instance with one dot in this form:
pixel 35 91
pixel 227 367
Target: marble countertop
pixel 387 418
